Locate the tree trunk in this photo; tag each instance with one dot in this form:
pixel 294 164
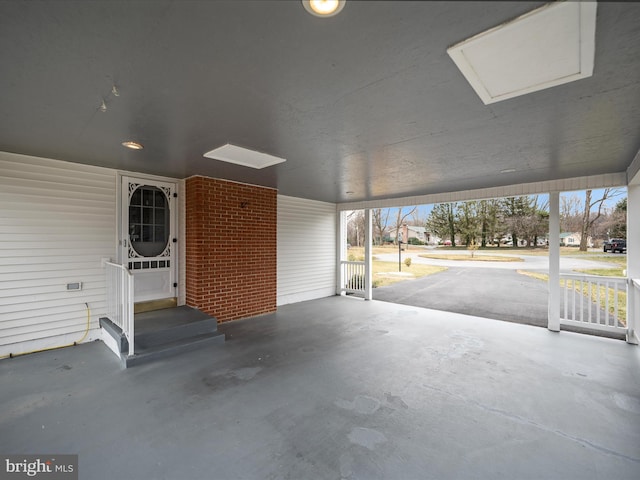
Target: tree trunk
pixel 483 243
pixel 584 230
pixel 452 227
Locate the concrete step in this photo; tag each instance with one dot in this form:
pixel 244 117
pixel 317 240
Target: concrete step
pixel 157 352
pixel 163 333
pixel 208 325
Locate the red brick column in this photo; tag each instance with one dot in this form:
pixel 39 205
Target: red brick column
pixel 230 248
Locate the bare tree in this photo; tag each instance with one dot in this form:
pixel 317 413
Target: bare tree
pixel 355 228
pixel 570 213
pixel 589 217
pixel 380 223
pixel 614 222
pixel 401 218
pixel 517 211
pixel 418 219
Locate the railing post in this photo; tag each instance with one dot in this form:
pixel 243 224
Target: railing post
pixel 368 264
pixel 633 310
pixel 130 314
pixel 633 258
pixel 341 249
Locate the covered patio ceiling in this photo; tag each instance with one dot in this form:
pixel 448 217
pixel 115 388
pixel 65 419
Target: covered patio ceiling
pixel 365 105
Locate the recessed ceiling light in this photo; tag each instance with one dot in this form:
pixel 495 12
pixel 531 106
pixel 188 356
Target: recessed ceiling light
pixel 549 46
pixel 243 156
pixel 323 8
pixel 508 170
pixel 133 145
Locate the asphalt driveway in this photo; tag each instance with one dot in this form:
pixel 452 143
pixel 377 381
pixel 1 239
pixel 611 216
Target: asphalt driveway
pixel 483 289
pixel 501 294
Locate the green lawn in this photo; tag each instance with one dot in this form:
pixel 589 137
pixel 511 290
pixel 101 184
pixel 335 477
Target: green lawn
pixel 386 273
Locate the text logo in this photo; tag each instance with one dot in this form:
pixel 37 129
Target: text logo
pixel 50 467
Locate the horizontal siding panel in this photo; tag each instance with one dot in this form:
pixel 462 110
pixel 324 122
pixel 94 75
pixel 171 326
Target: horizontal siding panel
pixel 35 266
pixel 306 248
pixel 57 222
pixel 46 260
pixel 24 210
pixel 24 201
pixel 20 186
pixel 47 252
pixel 52 326
pixel 45 274
pixel 24 223
pixel 75 326
pixel 52 248
pixel 37 165
pixel 43 314
pixel 61 281
pixel 27 234
pixel 54 177
pixel 18 298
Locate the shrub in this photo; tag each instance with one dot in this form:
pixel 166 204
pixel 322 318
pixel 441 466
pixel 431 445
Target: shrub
pixel 407 261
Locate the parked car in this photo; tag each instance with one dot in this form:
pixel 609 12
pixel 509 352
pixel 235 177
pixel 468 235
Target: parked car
pixel 615 245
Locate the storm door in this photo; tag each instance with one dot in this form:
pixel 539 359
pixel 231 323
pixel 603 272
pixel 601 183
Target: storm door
pixel 148 243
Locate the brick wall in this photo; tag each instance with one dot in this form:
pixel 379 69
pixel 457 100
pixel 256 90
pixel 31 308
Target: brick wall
pixel 230 248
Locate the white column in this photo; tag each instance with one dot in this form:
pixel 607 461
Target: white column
pixel 554 262
pixel 341 250
pixel 633 260
pixel 368 263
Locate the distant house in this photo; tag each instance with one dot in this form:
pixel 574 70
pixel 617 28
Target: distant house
pixel 408 232
pixel 573 240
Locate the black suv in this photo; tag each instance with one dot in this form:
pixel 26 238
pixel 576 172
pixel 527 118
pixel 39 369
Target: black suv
pixel 615 245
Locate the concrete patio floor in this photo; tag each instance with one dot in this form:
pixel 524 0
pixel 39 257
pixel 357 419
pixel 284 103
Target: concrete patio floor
pixel 339 388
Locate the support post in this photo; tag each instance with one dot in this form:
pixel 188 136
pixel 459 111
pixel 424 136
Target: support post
pixel 368 262
pixel 553 322
pixel 341 250
pixel 633 260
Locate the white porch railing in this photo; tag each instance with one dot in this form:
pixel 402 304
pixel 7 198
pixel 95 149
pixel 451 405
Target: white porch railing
pixel 594 302
pixel 353 277
pixel 120 299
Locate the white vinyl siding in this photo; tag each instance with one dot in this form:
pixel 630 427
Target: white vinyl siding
pixel 57 223
pixel 306 249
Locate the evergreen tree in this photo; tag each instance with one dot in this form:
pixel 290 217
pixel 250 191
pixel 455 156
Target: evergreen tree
pixel 442 221
pixel 468 221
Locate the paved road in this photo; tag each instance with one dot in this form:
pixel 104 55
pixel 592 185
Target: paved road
pixel 530 262
pixel 483 292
